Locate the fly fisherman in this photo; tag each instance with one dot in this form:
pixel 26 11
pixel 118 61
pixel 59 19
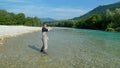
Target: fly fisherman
pixel 44 38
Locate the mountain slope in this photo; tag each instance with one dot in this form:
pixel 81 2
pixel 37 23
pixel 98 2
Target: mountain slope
pixel 47 19
pixel 100 10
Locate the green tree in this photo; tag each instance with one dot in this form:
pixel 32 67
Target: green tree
pixel 29 21
pixel 20 18
pixel 36 21
pixel 3 13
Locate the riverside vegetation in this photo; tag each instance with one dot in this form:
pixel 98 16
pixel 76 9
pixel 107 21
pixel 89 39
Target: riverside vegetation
pixel 9 18
pixel 109 21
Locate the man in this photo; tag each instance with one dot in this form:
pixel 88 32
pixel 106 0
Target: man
pixel 44 38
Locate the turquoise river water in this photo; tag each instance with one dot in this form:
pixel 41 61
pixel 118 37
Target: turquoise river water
pixel 68 48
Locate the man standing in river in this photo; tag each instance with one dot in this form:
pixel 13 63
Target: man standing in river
pixel 44 38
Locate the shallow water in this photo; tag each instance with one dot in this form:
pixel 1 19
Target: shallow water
pixel 68 48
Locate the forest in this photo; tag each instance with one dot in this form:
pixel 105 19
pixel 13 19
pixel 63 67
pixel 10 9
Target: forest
pixel 109 21
pixel 9 18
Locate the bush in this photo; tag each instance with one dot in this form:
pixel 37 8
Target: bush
pixel 117 29
pixel 110 29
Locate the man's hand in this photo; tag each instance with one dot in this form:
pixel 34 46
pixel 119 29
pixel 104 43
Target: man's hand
pixel 49 28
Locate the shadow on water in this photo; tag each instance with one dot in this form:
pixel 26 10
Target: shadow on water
pixel 37 49
pixel 34 48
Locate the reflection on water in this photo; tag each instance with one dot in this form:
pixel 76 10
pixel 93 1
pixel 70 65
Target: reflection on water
pixel 68 48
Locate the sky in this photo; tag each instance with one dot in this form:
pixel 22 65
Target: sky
pixel 56 9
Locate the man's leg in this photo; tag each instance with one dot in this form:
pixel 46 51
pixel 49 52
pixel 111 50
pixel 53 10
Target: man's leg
pixel 42 49
pixel 45 45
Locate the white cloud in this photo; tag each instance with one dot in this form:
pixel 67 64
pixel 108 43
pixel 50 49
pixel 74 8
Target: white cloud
pixel 67 13
pixel 41 11
pixel 15 0
pixel 67 10
pixel 30 9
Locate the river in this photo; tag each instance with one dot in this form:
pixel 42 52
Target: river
pixel 68 48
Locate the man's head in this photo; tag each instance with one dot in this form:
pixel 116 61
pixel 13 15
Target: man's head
pixel 44 25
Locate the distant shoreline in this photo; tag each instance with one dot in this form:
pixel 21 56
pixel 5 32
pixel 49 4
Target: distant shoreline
pixel 13 31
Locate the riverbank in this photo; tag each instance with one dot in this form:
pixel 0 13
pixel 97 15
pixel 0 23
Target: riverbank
pixel 12 31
